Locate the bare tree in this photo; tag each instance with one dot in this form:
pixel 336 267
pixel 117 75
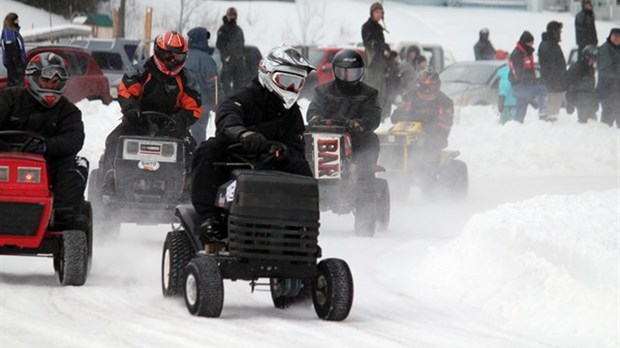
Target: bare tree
pixel 311 17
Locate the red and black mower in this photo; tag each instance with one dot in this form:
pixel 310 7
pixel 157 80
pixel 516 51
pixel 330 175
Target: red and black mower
pixel 27 225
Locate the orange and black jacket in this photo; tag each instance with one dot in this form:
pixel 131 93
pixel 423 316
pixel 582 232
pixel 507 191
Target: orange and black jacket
pixel 145 88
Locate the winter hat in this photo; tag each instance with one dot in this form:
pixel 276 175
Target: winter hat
pixel 231 12
pixel 615 31
pixel 413 48
pixel 526 37
pixel 375 6
pixel 554 27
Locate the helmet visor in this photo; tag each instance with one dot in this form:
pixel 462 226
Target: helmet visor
pixel 51 71
pixel 288 82
pixel 348 74
pixel 174 57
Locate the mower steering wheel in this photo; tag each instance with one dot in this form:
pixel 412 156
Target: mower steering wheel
pixel 26 138
pixel 277 151
pixel 151 116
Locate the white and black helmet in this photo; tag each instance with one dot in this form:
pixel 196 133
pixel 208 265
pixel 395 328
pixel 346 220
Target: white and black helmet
pixel 283 71
pixel 46 65
pixel 348 66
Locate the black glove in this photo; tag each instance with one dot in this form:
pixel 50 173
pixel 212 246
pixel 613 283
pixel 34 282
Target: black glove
pixel 38 147
pixel 354 125
pixel 132 116
pixel 253 142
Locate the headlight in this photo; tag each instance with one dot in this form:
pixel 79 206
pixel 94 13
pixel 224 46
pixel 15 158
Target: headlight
pixel 4 174
pixel 167 150
pixel 28 175
pixel 132 147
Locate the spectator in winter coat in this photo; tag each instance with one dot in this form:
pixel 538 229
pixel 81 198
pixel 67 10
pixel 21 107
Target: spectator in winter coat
pixel 483 49
pixel 377 51
pixel 435 111
pixel 392 83
pixel 41 108
pixel 408 68
pixel 160 83
pixel 585 28
pixel 204 69
pixel 507 103
pixel 553 67
pixel 608 65
pixel 13 50
pixel 580 82
pixel 525 85
pixel 230 42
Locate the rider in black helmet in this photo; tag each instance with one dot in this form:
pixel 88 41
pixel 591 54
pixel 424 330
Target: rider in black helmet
pixel 347 97
pixel 40 107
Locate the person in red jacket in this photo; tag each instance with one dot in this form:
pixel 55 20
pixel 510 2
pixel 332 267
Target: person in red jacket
pixel 525 85
pixel 158 84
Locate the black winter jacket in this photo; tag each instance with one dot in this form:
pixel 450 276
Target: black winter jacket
pixel 522 66
pixel 484 50
pixel 255 108
pixel 608 65
pixel 336 100
pixel 580 82
pixel 230 41
pixel 585 30
pixel 552 63
pixel 61 124
pixel 374 42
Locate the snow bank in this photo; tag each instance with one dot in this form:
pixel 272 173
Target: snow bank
pixel 534 148
pixel 549 265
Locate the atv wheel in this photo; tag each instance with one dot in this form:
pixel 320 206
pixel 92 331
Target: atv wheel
pixel 332 292
pixel 453 179
pixel 383 204
pixel 73 259
pixel 204 289
pixel 298 290
pixel 178 251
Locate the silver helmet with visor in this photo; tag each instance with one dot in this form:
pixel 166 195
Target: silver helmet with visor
pixel 283 72
pixel 46 78
pixel 348 66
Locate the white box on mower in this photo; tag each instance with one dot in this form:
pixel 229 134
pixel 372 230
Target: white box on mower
pixel 150 150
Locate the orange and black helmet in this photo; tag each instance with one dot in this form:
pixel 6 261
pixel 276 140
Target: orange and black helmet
pixel 170 52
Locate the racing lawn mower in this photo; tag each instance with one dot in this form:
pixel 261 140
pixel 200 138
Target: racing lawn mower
pixel 27 216
pixel 272 222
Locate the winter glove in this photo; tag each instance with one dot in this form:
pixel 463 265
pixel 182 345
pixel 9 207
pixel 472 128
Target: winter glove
pixel 500 103
pixel 37 147
pixel 355 125
pixel 132 116
pixel 314 120
pixel 253 142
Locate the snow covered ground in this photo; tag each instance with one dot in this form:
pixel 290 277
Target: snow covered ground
pixel 530 259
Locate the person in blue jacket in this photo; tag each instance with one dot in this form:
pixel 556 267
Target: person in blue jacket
pixel 507 103
pixel 13 50
pixel 202 65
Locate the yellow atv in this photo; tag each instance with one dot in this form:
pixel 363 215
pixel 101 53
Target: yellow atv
pixel 400 147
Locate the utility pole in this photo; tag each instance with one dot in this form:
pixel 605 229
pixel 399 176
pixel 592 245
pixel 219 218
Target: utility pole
pixel 121 26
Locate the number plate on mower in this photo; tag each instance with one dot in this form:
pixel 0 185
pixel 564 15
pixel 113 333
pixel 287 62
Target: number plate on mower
pixel 150 166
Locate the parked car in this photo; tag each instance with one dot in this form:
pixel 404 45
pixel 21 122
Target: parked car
pixel 472 83
pixel 113 56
